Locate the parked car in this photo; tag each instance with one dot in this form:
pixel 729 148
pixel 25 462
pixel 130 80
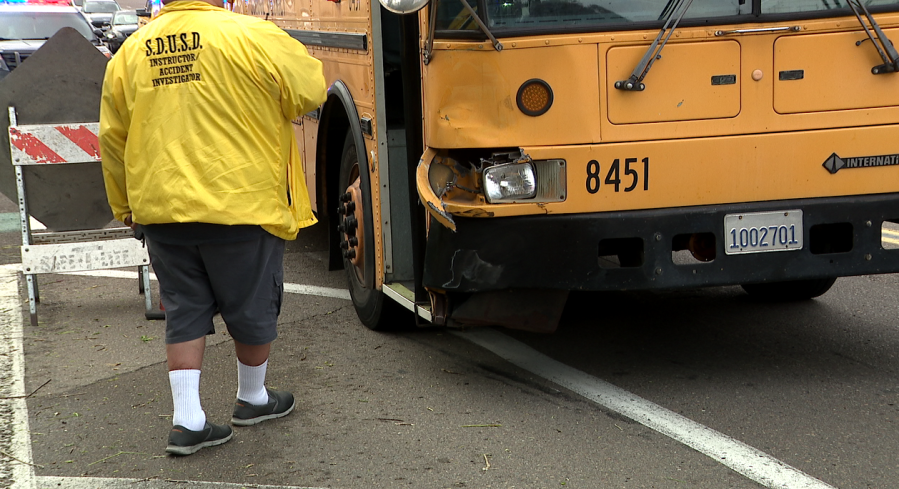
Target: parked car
pixel 123 23
pixel 24 28
pixel 99 12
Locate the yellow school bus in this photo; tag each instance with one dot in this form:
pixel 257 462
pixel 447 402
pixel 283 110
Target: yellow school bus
pixel 477 160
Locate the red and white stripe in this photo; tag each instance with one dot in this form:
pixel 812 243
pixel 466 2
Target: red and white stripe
pixel 60 143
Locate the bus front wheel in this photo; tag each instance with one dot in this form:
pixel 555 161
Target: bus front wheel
pixel 369 303
pixel 794 290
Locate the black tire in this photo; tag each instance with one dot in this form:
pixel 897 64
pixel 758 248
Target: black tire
pixel 795 290
pixel 373 308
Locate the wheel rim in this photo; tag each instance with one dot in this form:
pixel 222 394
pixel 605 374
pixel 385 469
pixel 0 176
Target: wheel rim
pixel 352 234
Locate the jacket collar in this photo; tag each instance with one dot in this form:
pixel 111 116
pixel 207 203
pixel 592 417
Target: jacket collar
pixel 186 5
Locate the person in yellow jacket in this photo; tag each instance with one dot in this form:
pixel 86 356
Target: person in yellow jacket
pixel 198 151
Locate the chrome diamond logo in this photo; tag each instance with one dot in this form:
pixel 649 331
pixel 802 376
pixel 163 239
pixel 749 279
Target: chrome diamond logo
pixel 835 163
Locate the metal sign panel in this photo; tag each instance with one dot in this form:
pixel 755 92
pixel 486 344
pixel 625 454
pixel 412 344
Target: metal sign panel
pixel 59 84
pixel 76 257
pixel 64 143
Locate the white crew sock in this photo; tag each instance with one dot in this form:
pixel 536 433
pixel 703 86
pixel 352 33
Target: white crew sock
pixel 186 398
pixel 251 383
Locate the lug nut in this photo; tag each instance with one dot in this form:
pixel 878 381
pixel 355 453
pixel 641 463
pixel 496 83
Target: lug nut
pixel 348 229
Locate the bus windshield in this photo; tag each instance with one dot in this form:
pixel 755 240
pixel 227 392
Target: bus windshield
pixel 608 14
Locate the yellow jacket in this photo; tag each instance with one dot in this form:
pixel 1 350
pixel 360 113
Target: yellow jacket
pixel 195 121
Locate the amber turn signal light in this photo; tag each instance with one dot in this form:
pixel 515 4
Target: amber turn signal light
pixel 535 97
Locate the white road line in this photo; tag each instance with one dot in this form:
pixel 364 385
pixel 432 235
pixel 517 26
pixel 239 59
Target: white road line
pixel 10 221
pixel 288 287
pixel 14 418
pixel 742 458
pixel 319 291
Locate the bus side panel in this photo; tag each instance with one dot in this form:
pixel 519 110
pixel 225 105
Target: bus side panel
pixel 470 97
pixel 833 68
pixel 710 171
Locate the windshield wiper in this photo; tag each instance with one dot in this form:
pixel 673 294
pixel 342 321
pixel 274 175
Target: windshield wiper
pixel 882 43
pixel 429 43
pixel 474 15
pixel 674 11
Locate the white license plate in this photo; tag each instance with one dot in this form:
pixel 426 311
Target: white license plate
pixel 760 232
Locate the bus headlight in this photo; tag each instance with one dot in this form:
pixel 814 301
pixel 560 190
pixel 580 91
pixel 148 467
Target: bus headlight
pixel 510 182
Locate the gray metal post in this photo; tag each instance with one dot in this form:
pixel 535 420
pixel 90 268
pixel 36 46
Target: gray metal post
pixel 25 223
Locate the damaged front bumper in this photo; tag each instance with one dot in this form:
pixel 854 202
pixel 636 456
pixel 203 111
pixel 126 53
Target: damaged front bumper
pixel 844 237
pixel 427 191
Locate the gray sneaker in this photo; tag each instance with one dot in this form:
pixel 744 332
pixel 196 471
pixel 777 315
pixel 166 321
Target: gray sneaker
pixel 183 441
pixel 279 404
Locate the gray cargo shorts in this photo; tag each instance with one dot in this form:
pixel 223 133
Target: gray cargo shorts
pixel 244 280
